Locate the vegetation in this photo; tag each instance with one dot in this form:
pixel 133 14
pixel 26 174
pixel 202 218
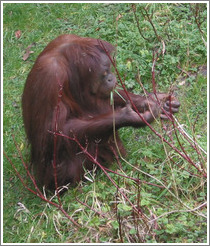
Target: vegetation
pixel 173 211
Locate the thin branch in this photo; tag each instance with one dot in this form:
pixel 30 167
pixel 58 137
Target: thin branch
pixel 150 21
pixel 137 23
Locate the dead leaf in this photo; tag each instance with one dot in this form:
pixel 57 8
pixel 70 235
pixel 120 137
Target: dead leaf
pixel 28 52
pixel 118 17
pixel 18 34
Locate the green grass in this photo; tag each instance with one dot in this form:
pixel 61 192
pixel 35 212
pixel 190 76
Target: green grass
pixel 38 222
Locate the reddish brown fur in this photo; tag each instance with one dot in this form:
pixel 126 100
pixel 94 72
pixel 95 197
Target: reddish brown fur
pixel 72 62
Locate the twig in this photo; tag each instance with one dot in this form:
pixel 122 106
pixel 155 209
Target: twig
pixel 188 136
pixel 40 195
pixel 137 22
pixel 150 21
pixel 198 22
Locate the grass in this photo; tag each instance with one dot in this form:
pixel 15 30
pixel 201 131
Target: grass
pixel 27 219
